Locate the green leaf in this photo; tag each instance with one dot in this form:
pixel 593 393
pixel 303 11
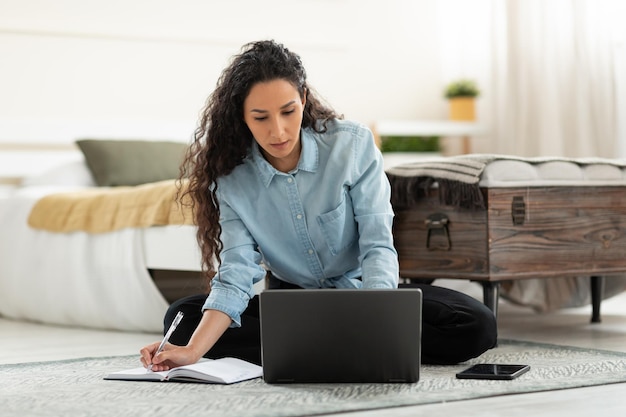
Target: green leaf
pixel 462 88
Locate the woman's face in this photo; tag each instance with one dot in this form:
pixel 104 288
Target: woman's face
pixel 273 112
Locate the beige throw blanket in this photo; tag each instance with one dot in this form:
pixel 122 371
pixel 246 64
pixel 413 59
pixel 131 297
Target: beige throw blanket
pixel 102 210
pixel 457 178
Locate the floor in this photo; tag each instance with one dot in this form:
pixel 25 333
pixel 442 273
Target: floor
pixel 31 342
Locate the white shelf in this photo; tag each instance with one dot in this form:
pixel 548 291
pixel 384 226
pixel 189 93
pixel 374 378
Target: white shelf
pixel 426 128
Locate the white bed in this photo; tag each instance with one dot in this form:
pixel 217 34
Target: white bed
pixel 84 279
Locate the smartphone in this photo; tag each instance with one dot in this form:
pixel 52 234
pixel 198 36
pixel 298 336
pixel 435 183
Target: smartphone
pixel 493 371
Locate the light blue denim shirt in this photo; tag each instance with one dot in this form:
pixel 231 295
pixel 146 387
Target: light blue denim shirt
pixel 326 224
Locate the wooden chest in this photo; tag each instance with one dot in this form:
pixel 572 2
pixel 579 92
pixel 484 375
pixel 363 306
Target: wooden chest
pixel 525 232
pixel 537 218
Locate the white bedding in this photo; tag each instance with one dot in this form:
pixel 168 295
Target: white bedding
pixel 77 279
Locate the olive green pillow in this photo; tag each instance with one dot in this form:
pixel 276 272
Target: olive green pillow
pixel 132 162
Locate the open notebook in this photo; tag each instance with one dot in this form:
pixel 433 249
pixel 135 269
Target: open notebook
pixel 217 371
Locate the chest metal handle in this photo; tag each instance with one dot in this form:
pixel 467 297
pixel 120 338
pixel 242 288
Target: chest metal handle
pixel 437 224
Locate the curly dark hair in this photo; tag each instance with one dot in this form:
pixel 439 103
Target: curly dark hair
pixel 222 139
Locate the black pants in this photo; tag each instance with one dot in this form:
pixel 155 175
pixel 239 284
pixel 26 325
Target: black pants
pixel 455 327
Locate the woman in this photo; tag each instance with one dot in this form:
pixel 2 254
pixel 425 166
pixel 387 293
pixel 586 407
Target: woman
pixel 281 184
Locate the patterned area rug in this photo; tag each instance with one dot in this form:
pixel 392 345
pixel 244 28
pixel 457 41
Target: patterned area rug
pixel 76 387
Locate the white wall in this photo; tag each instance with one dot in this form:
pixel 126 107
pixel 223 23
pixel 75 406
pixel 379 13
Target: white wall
pixel 143 68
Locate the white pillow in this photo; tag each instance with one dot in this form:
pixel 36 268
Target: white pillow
pixel 72 173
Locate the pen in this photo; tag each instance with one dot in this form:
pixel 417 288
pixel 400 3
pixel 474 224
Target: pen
pixel 177 319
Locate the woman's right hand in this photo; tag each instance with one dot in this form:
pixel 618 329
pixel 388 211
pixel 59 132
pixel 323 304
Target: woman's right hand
pixel 170 357
pixel 213 324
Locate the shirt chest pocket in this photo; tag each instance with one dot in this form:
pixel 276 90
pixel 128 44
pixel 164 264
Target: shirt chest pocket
pixel 338 226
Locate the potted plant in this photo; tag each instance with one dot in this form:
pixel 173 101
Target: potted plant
pixel 462 94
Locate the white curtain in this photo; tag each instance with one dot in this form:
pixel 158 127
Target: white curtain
pixel 547 70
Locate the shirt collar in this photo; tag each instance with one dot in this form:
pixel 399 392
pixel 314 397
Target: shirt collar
pixel 309 158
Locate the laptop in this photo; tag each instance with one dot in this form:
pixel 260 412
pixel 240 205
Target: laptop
pixel 341 335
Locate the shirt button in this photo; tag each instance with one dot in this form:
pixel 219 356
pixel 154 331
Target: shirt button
pixel 299 216
pixel 289 180
pixel 310 251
